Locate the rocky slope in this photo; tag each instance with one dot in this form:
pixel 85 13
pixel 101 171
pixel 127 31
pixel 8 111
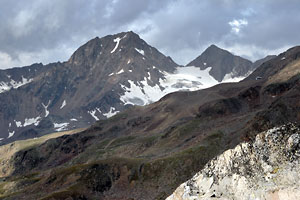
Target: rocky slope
pixel 103 77
pixel 267 169
pixel 130 155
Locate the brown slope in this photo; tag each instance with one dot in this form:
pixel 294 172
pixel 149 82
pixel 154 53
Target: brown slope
pixel 145 152
pixel 275 65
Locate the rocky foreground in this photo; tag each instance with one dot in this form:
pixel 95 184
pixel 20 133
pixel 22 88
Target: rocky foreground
pixel 265 169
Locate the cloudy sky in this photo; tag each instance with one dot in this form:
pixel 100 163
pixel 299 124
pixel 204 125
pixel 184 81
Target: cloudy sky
pixel 49 31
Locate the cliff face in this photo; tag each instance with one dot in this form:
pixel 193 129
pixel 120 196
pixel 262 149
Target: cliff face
pixel 265 169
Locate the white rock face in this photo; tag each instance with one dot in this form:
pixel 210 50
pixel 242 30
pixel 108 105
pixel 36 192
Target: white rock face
pixel 267 169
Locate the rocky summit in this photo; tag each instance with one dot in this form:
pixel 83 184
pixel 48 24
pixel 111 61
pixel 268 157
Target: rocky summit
pixel 103 77
pixel 266 169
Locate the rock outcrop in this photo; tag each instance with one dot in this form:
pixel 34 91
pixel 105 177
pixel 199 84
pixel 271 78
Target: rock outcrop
pixel 265 169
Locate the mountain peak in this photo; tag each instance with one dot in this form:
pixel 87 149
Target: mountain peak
pixel 119 48
pixel 123 34
pixel 223 64
pixel 213 46
pixel 213 49
pixel 105 46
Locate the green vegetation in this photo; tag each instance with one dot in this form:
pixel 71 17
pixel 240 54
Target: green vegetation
pixel 189 127
pixel 122 141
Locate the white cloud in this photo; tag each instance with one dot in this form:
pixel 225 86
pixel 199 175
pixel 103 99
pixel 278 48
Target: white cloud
pixel 49 31
pixel 236 25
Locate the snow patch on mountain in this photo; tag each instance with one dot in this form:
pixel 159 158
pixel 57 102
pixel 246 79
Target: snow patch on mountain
pixel 188 78
pixel 111 112
pixel 10 134
pixel 140 51
pixel 60 126
pixel 93 114
pixel 140 93
pixel 28 122
pixel 120 72
pixel 183 79
pixel 19 84
pixel 18 123
pixel 230 77
pixel 31 121
pixel 6 86
pixel 46 108
pixel 64 103
pixel 117 40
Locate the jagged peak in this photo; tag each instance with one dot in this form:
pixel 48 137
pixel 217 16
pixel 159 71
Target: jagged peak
pixel 215 49
pixel 107 44
pixel 214 46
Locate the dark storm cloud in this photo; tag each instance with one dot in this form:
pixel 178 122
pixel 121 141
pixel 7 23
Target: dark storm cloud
pixel 36 28
pixel 48 31
pixel 270 25
pixel 31 25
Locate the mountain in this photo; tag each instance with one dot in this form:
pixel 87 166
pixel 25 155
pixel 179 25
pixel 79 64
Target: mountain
pixel 266 168
pixel 259 62
pixel 222 64
pixel 146 152
pixel 103 77
pixel 279 63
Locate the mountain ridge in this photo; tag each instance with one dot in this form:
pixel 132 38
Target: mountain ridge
pixel 101 78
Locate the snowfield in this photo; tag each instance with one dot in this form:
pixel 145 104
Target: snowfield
pixel 6 86
pixel 183 79
pixel 60 126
